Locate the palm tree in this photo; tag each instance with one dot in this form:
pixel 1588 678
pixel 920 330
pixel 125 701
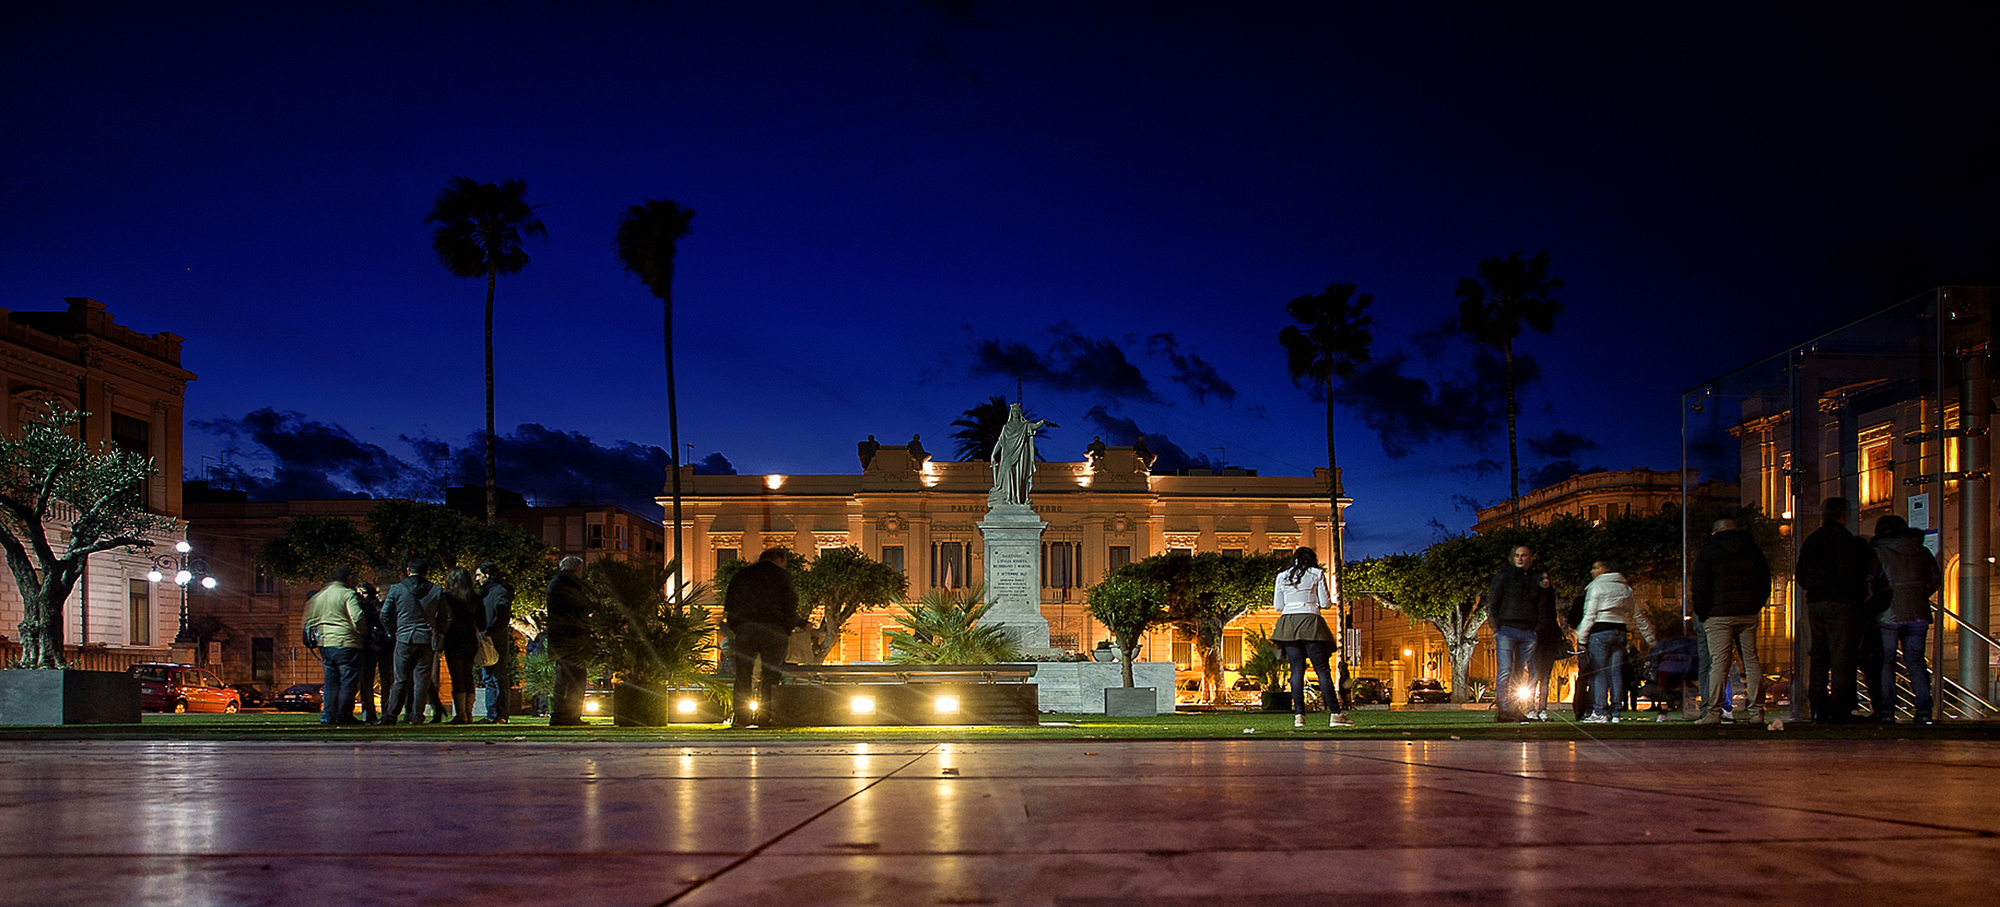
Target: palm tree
pixel 479 234
pixel 1509 294
pixel 1329 339
pixel 981 428
pixel 648 235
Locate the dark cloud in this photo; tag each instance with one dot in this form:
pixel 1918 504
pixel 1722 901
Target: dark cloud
pixel 1099 367
pixel 1169 457
pixel 1465 502
pixel 1558 471
pixel 1407 411
pixel 278 456
pixel 1561 444
pixel 1196 374
pixel 1480 468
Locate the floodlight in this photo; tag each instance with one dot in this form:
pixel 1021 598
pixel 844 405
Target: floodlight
pixel 947 705
pixel 861 705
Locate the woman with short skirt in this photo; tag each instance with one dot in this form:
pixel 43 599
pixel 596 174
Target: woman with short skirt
pixel 1299 594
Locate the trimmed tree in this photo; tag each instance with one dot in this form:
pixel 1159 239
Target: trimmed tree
pixel 1129 607
pixel 48 478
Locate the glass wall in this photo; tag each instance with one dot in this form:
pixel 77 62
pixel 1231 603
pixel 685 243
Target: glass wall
pixel 1872 412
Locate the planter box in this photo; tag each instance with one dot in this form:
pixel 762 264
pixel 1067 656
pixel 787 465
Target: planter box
pixel 638 705
pixel 1131 702
pixel 68 697
pixel 1077 687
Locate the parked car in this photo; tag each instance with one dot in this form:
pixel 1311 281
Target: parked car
pixel 165 687
pixel 1369 691
pixel 300 697
pixel 1423 690
pixel 251 697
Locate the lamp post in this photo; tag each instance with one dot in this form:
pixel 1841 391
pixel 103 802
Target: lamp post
pixel 185 568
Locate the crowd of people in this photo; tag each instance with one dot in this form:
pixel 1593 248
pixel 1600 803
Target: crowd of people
pixel 1868 605
pixel 397 640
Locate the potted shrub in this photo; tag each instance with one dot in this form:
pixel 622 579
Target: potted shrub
pixel 1262 664
pixel 648 644
pixel 1104 651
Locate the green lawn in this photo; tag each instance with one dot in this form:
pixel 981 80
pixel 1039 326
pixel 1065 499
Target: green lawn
pixel 1373 724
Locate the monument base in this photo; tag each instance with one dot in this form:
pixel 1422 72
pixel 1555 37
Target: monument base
pixel 1013 536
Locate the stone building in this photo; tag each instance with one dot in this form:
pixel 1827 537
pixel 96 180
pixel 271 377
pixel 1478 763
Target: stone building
pixel 917 514
pixel 132 385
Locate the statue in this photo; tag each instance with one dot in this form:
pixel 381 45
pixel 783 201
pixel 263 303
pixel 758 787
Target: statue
pixel 867 449
pixel 1014 458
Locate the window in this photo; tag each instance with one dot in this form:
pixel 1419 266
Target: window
pixel 892 557
pixel 724 557
pixel 1232 650
pixel 132 434
pixel 1059 563
pixel 263 659
pixel 1120 556
pixel 139 626
pixel 265 582
pixel 1878 469
pixel 950 564
pixel 1232 552
pixel 595 537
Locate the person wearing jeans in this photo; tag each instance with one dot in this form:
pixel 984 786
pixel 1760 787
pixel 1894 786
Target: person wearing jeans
pixel 1608 609
pixel 1521 602
pixel 1910 572
pixel 1729 584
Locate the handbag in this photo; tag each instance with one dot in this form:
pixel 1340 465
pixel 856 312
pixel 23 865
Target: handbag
pixel 799 649
pixel 488 655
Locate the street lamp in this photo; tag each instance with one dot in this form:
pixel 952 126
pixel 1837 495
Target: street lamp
pixel 185 568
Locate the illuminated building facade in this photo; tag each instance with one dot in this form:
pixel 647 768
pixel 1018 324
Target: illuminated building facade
pixel 132 386
pixel 918 515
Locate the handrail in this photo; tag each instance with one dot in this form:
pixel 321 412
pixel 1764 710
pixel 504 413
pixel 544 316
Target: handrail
pixel 1966 629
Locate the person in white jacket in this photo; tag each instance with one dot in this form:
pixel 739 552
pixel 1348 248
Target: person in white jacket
pixel 1609 609
pixel 1300 592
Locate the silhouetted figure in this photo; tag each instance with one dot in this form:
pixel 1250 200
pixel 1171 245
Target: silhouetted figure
pixel 497 622
pixel 1729 583
pixel 917 453
pixel 866 450
pixel 1910 574
pixel 761 609
pixel 417 617
pixel 569 640
pixel 1145 454
pixel 1834 569
pixel 1095 450
pixel 461 642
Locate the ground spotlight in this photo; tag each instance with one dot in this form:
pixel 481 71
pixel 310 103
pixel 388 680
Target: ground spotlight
pixel 861 705
pixel 947 705
pixel 685 706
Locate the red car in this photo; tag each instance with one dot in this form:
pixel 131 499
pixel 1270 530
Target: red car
pixel 183 688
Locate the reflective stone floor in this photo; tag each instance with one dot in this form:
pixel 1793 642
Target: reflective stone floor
pixel 1213 823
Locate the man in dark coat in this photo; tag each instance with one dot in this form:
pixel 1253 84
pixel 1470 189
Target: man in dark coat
pixel 417 617
pixel 497 622
pixel 1728 584
pixel 569 641
pixel 761 608
pixel 1834 570
pixel 1521 602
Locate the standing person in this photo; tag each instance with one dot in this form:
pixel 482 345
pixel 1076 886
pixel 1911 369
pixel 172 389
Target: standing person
pixel 1834 570
pixel 1609 612
pixel 1299 593
pixel 1912 574
pixel 1520 599
pixel 418 616
pixel 374 656
pixel 1728 584
pixel 336 614
pixel 569 641
pixel 761 608
pixel 461 642
pixel 497 622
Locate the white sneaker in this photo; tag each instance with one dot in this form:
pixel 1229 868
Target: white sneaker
pixel 1596 719
pixel 1298 721
pixel 1338 719
pixel 1542 715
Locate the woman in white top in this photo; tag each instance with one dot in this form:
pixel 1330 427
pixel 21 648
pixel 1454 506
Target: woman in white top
pixel 1299 594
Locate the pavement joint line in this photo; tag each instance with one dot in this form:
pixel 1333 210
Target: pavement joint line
pixel 758 850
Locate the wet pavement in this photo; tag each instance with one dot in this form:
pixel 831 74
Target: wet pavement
pixel 1220 823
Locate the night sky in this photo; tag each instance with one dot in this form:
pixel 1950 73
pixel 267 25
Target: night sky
pixel 905 207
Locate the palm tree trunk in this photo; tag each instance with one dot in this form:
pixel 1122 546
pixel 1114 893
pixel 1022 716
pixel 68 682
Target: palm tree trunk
pixel 673 438
pixel 1334 698
pixel 492 454
pixel 1513 449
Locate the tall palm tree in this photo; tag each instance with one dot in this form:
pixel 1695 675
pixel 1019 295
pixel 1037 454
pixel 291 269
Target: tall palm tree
pixel 1329 339
pixel 479 234
pixel 1509 294
pixel 648 235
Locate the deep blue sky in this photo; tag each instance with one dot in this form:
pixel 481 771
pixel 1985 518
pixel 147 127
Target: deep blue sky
pixel 883 186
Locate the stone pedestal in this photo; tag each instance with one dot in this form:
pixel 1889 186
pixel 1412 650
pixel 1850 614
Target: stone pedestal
pixel 1013 535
